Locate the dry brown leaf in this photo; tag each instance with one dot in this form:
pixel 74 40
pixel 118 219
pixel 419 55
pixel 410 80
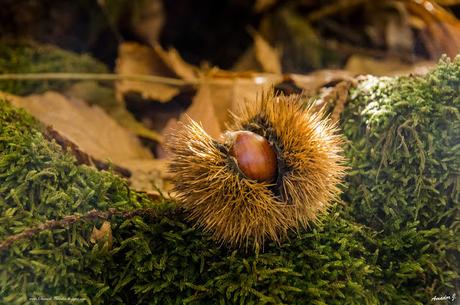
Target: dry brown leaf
pixel 138 59
pixel 148 175
pixel 268 58
pixel 202 110
pixel 261 5
pixel 175 63
pixel 313 82
pixel 247 62
pixel 104 234
pixel 399 36
pixel 89 127
pixel 358 64
pixel 441 34
pixel 95 94
pixel 219 95
pixel 448 2
pixel 148 20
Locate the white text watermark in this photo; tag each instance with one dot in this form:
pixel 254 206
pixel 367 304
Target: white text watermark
pixel 56 298
pixel 446 297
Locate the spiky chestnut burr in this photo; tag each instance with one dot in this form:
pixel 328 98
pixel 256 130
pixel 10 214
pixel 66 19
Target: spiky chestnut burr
pixel 277 168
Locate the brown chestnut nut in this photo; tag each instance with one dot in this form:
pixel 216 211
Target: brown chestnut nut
pixel 253 154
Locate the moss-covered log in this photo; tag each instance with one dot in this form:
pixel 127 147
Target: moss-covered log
pixel 395 239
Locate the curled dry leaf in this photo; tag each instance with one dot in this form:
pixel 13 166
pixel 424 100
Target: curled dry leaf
pixel 359 64
pixel 262 5
pixel 95 94
pixel 218 95
pixel 268 58
pixel 103 234
pixel 89 127
pixel 137 59
pixel 172 59
pixel 148 175
pixel 441 29
pixel 311 84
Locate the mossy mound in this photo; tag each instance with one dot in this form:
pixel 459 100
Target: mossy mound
pixel 394 242
pixel 404 150
pixel 31 57
pixel 153 261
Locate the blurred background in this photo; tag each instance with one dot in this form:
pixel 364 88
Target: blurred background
pixel 305 34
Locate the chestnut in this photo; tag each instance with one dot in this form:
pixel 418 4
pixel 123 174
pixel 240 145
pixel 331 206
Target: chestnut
pixel 253 155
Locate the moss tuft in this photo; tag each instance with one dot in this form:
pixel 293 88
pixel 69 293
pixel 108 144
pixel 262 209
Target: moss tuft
pixel 31 57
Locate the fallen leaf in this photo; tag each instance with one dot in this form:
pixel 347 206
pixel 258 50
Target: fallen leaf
pixel 95 94
pixel 148 20
pixel 202 111
pixel 266 55
pixel 82 157
pixel 104 234
pixel 441 34
pixel 148 175
pixel 89 127
pixel 358 64
pixel 311 83
pixel 137 59
pixel 261 5
pixel 175 63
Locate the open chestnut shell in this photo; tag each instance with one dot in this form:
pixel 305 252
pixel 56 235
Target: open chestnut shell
pixel 276 169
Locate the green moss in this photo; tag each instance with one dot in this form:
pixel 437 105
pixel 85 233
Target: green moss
pixel 404 148
pixel 38 183
pixel 29 57
pixel 394 242
pixel 162 261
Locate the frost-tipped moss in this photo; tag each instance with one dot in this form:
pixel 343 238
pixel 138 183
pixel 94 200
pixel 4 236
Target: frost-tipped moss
pixel 30 57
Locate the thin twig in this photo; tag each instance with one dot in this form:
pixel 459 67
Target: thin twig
pixel 257 78
pixel 71 219
pixel 98 76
